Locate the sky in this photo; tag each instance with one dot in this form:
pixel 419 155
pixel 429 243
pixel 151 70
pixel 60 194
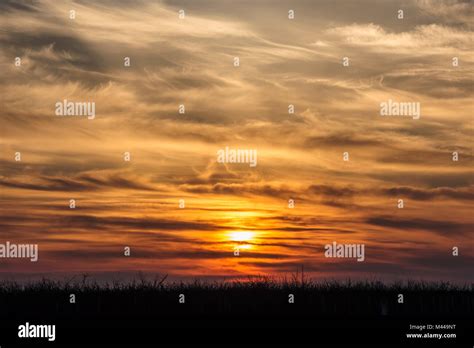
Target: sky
pixel 191 62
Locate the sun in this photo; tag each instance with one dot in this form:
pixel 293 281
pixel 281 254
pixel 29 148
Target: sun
pixel 241 236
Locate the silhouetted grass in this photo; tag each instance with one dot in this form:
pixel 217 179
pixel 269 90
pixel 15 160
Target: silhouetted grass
pixel 255 296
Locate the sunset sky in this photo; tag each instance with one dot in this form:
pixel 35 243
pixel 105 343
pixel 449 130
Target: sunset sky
pixel 190 62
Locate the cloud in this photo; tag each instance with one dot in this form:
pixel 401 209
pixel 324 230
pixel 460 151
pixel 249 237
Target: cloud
pixel 110 252
pixel 83 182
pixel 432 36
pixel 98 222
pixel 453 12
pixel 442 227
pixel 462 193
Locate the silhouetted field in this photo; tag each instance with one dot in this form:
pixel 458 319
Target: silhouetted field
pixel 255 297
